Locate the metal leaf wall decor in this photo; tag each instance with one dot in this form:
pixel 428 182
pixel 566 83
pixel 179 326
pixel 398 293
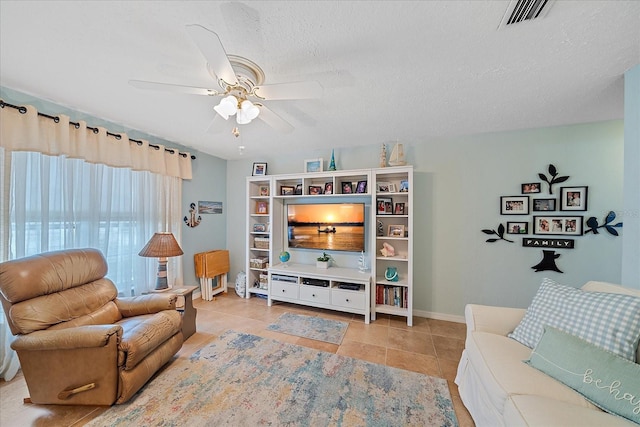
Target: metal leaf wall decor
pixel 592 223
pixel 555 179
pixel 499 233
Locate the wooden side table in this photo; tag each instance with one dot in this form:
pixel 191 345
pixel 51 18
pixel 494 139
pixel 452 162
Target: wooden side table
pixel 188 310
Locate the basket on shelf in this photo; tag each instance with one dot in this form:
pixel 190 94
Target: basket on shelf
pixel 261 242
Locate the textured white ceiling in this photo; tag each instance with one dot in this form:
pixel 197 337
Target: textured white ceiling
pixel 391 70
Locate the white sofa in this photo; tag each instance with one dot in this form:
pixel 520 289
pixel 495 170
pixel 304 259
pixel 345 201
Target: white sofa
pixel 499 389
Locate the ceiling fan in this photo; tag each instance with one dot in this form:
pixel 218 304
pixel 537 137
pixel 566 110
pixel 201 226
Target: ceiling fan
pixel 241 84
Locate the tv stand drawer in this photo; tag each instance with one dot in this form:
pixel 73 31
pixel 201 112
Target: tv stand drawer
pixel 315 294
pixel 348 299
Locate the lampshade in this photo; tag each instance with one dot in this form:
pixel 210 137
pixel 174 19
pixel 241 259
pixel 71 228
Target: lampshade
pixel 161 245
pixel 244 109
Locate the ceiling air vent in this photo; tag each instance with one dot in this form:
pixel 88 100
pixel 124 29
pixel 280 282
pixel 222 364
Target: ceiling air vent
pixel 525 10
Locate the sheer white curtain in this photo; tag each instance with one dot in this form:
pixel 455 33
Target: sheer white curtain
pixel 52 202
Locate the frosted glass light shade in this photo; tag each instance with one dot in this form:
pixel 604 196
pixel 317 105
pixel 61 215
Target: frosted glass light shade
pixel 227 107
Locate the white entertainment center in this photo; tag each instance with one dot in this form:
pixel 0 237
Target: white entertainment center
pixel 387 195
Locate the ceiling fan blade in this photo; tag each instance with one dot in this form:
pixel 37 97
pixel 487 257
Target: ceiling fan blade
pixel 209 44
pixel 273 120
pixel 168 87
pixel 296 90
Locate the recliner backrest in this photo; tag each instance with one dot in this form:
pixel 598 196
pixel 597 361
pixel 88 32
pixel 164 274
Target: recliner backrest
pixel 49 289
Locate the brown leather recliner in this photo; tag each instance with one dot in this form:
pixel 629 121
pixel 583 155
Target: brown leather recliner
pixel 78 343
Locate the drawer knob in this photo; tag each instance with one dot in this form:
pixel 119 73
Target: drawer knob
pixel 347 300
pixel 313 295
pixel 283 291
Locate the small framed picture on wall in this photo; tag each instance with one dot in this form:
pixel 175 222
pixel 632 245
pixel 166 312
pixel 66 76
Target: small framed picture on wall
pixel 573 198
pixel 514 205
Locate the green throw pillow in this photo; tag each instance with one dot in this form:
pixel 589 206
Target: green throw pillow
pixel 610 382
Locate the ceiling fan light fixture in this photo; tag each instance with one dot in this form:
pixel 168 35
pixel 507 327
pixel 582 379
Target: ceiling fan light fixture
pixel 227 107
pixel 247 112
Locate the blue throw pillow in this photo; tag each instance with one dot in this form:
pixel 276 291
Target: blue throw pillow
pixel 610 382
pixel 608 320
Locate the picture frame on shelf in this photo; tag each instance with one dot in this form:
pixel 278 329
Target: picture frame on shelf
pixel 517 227
pixel 384 206
pixel 315 190
pixel 404 186
pixel 262 207
pixel 573 198
pixel 399 209
pixel 328 187
pixel 543 205
pixel 287 190
pixel 313 165
pixel 259 228
pixel 395 230
pixel 259 169
pixel 514 205
pixel 347 187
pixel 263 190
pixel 383 187
pixel 361 188
pixel 298 190
pixel 530 187
pixel 559 225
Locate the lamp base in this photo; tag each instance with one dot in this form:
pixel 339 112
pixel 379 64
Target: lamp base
pixel 161 278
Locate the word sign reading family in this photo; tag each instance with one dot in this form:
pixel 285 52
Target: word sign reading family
pixel 547 243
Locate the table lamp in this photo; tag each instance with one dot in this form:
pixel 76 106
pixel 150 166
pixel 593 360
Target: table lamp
pixel 161 245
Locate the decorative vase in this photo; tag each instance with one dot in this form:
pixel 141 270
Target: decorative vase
pixel 322 264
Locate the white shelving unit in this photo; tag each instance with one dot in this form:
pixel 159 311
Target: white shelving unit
pixel 259 219
pixel 394 184
pixel 360 184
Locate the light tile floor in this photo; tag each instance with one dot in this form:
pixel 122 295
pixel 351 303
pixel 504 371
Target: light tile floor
pixel 432 347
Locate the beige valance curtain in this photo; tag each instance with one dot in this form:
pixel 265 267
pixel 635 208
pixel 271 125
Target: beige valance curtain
pixel 31 132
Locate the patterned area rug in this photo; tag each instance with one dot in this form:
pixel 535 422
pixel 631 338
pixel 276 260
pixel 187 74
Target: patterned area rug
pixel 316 328
pixel 245 380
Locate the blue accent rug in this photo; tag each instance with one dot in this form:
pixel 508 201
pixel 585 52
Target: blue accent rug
pixel 316 328
pixel 245 380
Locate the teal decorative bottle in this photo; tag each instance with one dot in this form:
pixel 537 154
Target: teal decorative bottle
pixel 332 165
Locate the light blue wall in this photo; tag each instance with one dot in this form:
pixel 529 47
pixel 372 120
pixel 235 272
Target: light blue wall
pixel 458 183
pixel 631 236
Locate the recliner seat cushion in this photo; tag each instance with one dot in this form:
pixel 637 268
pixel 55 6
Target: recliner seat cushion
pixel 142 334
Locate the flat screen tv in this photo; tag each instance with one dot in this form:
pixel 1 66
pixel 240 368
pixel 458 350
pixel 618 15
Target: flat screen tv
pixel 326 226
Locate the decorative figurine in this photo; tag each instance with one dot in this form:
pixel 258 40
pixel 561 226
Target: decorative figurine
pixel 192 220
pixel 332 164
pixel 383 156
pixel 362 263
pixel 397 155
pixel 387 250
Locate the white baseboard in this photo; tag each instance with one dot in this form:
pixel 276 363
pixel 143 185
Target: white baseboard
pixel 439 316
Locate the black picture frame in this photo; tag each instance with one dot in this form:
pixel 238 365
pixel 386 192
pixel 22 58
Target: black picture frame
pixel 361 188
pixel 517 227
pixel 347 188
pixel 530 188
pixel 328 188
pixel 315 190
pixel 287 190
pixel 574 198
pixel 384 206
pixel 298 190
pixel 514 205
pixel 562 225
pixel 259 169
pixel 543 205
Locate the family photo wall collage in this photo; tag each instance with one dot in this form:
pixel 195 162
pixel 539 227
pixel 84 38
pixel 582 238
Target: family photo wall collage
pixel 548 220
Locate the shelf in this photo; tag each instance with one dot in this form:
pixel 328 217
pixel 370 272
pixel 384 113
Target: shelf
pixel 391 309
pixel 385 282
pixel 260 249
pixel 391 238
pixel 391 258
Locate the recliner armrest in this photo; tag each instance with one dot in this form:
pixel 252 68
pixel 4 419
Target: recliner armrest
pixel 497 320
pixel 70 338
pixel 146 304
